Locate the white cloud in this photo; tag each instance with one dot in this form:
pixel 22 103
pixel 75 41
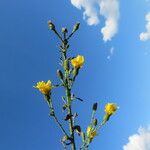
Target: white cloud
pixel 93 9
pixel 111 52
pixel 110 10
pixel 139 141
pixel 144 36
pixel 90 13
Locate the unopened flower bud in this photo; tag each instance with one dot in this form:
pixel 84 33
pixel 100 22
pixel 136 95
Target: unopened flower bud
pixel 51 25
pixel 67 46
pixel 52 113
pixel 94 106
pixel 60 74
pixel 64 30
pixel 76 27
pixel 65 138
pixel 95 122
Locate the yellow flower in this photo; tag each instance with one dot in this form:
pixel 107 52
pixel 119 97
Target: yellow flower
pixel 78 61
pixel 44 87
pixel 110 108
pixel 91 133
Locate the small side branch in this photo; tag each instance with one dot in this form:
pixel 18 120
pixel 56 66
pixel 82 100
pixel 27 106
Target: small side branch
pixel 52 113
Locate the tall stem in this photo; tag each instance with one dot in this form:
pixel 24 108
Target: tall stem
pixel 68 97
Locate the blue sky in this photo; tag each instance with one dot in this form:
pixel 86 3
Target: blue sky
pixel 29 53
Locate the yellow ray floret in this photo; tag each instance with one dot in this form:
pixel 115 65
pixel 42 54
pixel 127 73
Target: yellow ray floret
pixel 78 61
pixel 90 132
pixel 110 108
pixel 44 87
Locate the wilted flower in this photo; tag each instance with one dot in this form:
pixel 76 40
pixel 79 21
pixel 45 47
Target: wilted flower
pixel 44 87
pixel 91 133
pixel 78 61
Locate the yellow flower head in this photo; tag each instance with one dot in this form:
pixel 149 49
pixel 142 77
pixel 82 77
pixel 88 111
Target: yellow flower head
pixel 110 108
pixel 44 87
pixel 78 61
pixel 90 132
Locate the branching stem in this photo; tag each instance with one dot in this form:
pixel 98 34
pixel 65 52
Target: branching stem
pixel 68 98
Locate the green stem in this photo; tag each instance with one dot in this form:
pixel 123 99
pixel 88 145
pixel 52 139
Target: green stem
pixel 92 118
pixel 85 143
pixel 49 101
pixel 70 36
pixel 68 97
pixel 58 35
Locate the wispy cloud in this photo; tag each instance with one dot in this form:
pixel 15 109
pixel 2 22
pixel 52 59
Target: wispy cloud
pixel 111 52
pixel 139 141
pixel 144 36
pixel 93 9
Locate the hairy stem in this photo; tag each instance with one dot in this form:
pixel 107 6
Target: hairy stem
pixel 68 97
pixel 68 94
pixel 49 101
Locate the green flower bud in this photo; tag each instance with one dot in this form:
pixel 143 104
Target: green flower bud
pixel 51 25
pixel 76 27
pixel 64 30
pixel 64 107
pixel 95 122
pixel 94 106
pixel 65 138
pixel 60 74
pixel 52 113
pixel 77 128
